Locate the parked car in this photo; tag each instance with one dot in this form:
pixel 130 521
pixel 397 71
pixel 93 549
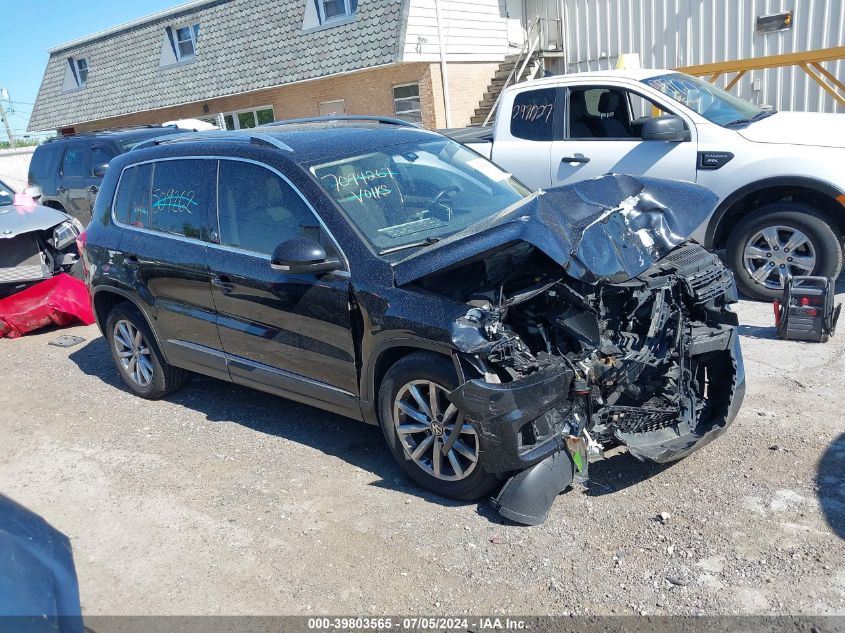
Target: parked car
pixel 777 174
pixel 69 169
pixel 39 591
pixel 36 242
pixel 389 274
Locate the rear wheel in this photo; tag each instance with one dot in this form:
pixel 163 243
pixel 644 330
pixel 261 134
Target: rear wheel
pixel 778 241
pixel 417 420
pixel 137 356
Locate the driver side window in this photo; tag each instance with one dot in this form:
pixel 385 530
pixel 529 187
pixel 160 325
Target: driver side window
pixel 258 210
pixel 608 113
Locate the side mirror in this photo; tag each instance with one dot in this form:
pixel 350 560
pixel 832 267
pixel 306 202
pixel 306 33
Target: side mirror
pixel 100 170
pixel 665 128
pixel 33 192
pixel 302 255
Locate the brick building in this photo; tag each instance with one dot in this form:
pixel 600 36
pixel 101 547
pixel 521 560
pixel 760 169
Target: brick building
pixel 246 62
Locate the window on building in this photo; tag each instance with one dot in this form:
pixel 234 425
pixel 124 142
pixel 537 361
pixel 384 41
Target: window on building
pixel 332 108
pixel 82 71
pixel 182 193
pixel 258 210
pixel 245 119
pixel 406 102
pixel 185 41
pixel 335 9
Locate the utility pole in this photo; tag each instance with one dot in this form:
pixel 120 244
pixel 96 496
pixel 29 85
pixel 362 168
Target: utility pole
pixel 5 95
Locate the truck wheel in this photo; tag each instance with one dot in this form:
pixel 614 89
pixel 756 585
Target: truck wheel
pixel 780 240
pixel 137 357
pixel 417 418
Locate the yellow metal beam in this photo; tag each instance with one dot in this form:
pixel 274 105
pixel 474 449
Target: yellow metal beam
pixel 822 83
pixel 829 76
pixel 770 61
pixel 734 81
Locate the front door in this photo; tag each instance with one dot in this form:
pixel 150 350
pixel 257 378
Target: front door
pixel 289 334
pixel 602 135
pixel 72 188
pixel 166 208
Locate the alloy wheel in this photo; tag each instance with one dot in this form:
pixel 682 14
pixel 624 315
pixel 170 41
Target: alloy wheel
pixel 775 253
pixel 133 352
pixel 424 421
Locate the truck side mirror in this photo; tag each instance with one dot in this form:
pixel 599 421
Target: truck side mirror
pixel 668 127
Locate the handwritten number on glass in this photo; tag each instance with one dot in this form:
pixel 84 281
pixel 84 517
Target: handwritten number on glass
pixel 173 201
pixel 533 113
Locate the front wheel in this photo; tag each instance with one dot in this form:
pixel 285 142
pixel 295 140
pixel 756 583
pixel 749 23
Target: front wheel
pixel 778 241
pixel 418 420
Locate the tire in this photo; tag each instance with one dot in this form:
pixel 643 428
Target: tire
pixel 162 379
pixel 782 221
pixel 428 369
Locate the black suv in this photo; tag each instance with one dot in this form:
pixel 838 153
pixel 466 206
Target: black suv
pixel 69 169
pixel 388 274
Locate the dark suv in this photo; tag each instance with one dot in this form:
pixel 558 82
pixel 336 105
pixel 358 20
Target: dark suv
pixel 69 169
pixel 388 274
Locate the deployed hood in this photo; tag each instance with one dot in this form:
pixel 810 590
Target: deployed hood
pixel 798 128
pixel 606 229
pixel 17 220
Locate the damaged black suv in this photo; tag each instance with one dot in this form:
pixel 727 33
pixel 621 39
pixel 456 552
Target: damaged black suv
pixel 501 338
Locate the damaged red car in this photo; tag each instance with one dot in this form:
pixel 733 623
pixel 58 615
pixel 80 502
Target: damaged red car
pixel 500 338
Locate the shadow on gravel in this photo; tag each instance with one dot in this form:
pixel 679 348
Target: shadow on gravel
pixel 354 442
pixel 830 485
pixel 618 472
pixel 757 331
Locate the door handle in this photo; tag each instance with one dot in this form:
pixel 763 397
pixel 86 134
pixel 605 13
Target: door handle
pixel 61 189
pixel 223 283
pixel 575 159
pixel 93 188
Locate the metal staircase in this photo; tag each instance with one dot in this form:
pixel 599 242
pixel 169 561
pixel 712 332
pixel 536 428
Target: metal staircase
pixel 522 66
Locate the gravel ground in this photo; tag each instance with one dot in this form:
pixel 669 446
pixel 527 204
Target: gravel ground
pixel 222 500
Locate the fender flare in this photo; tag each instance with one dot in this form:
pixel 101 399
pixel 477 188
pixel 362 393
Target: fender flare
pixel 128 297
pixel 819 186
pixel 368 375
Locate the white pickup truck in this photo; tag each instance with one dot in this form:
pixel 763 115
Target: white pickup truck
pixel 780 176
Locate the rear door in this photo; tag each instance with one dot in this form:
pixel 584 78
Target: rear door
pixel 289 334
pixel 601 134
pixel 72 186
pixel 166 208
pixel 99 156
pixel 523 145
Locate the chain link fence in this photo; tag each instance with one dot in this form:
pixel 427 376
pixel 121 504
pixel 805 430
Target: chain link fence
pixel 14 166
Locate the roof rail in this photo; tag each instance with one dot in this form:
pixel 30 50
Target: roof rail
pixel 256 138
pixel 345 117
pixel 127 128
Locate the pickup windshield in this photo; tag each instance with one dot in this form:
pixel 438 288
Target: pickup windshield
pixel 711 102
pixel 413 194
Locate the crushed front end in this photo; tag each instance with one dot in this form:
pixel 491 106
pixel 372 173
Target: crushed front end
pixel 561 365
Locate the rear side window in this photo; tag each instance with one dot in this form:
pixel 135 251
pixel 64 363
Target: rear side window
pixel 182 193
pixel 132 202
pixel 73 162
pixel 533 115
pixel 258 210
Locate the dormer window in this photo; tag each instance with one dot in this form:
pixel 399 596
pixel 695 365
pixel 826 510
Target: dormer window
pixel 331 10
pixel 185 41
pixel 81 71
pixel 76 74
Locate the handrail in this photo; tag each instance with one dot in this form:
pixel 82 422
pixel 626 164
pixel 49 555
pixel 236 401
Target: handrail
pixel 530 45
pixel 808 61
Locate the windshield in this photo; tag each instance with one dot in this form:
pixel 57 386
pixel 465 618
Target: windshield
pixel 711 102
pixel 416 193
pixel 7 196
